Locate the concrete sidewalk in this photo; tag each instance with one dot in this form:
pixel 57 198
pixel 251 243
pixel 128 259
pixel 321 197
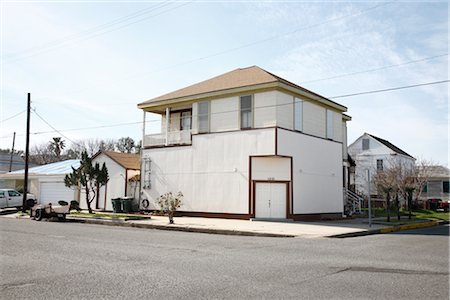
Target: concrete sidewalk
pixel 339 229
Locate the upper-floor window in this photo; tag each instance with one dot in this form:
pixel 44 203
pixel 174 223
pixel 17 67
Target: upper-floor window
pixel 203 116
pixel 186 120
pixel 365 144
pixel 329 124
pixel 246 112
pixel 379 165
pixel 298 114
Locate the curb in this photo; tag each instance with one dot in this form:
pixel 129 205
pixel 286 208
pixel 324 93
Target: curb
pixel 390 229
pixel 7 211
pixel 120 222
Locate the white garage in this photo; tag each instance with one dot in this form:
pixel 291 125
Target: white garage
pixel 46 182
pixel 52 192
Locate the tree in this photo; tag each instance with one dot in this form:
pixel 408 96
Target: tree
pixel 386 182
pixel 57 145
pixel 169 203
pixel 89 177
pixel 125 145
pixel 40 154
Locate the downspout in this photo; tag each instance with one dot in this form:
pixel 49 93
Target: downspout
pixel 126 182
pixel 140 156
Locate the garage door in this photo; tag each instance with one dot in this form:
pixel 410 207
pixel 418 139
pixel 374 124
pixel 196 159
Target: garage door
pixel 52 192
pixel 270 201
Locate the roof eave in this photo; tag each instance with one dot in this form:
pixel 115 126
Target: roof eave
pixel 215 94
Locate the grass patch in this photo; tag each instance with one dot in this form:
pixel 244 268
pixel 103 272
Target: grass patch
pixel 111 216
pixel 424 214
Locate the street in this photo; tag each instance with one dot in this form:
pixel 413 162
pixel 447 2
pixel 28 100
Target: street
pixel 52 260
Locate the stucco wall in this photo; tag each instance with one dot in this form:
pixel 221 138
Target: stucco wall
pixel 212 173
pixel 317 172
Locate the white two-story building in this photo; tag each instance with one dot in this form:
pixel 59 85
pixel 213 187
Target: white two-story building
pixel 373 154
pixel 247 144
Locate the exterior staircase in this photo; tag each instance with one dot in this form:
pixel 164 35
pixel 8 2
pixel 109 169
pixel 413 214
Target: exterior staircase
pixel 353 202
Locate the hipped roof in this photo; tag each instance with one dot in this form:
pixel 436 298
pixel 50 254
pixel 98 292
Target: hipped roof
pixel 239 78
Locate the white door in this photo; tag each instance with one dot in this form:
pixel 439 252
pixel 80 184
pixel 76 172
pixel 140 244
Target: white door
pixel 270 200
pixel 14 198
pixel 52 192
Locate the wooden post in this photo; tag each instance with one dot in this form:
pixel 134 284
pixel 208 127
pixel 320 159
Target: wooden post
pixel 12 152
pixel 27 153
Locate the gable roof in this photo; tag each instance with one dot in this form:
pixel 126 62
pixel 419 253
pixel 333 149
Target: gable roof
pixel 390 146
pixel 126 160
pixel 238 78
pixel 57 168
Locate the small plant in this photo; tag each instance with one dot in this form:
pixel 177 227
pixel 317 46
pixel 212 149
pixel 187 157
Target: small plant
pixel 169 203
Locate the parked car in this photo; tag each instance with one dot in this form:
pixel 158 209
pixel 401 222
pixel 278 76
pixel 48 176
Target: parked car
pixel 12 198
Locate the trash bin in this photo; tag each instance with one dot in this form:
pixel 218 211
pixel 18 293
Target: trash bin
pixel 117 205
pixel 126 204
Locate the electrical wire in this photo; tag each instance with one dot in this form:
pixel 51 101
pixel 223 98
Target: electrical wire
pixel 390 89
pixel 187 62
pixel 376 69
pixel 56 130
pixel 12 117
pixel 255 108
pixel 98 34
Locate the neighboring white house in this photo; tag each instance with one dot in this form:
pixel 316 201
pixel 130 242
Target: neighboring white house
pixel 246 144
pixel 123 171
pixel 437 186
pixel 46 182
pixel 375 154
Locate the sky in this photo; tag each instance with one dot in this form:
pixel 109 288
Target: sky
pixel 87 64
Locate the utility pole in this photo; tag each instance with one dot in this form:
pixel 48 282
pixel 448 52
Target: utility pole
pixel 369 200
pixel 12 152
pixel 27 153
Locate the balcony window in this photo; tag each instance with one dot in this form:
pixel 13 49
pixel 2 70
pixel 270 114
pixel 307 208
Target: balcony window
pixel 186 120
pixel 246 112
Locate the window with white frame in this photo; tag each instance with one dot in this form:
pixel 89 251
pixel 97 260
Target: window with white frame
pixel 298 114
pixel 246 112
pixel 379 165
pixel 147 166
pixel 329 124
pixel 203 117
pixel 185 123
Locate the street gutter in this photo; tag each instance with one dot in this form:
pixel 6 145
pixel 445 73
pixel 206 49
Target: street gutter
pixel 391 229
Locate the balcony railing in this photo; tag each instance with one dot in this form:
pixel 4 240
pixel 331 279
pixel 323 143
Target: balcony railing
pixel 182 137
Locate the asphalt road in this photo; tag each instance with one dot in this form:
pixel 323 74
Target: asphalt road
pixel 51 260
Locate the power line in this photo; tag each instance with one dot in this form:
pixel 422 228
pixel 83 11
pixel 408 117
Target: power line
pixel 390 89
pixel 100 33
pixel 56 130
pixel 187 62
pixel 260 107
pixel 376 69
pixel 255 108
pixel 18 114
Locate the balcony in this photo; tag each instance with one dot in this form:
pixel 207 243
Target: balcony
pixel 182 137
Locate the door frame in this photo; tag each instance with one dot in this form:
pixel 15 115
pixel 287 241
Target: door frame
pixel 289 189
pixel 288 198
